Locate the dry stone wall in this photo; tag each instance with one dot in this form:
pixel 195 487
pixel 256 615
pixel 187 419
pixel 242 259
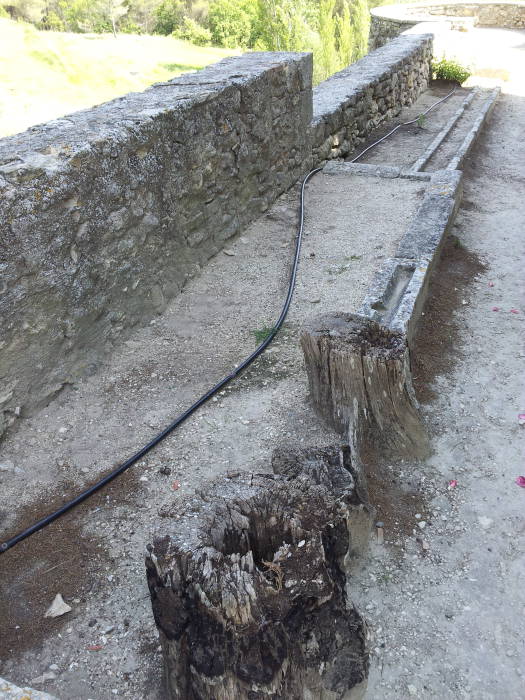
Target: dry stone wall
pixel 353 102
pixel 106 213
pixel 390 21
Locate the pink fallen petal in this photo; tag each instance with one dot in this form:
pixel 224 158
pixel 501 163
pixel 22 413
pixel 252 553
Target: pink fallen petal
pixel 520 480
pixel 452 484
pixel 521 418
pixel 514 311
pixel 491 284
pixel 495 308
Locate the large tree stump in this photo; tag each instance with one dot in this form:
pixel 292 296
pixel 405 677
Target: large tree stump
pixel 360 383
pixel 248 591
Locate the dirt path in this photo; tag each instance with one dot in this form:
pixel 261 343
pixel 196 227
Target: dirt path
pixel 446 601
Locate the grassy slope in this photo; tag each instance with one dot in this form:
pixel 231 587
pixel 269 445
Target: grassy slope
pixel 44 75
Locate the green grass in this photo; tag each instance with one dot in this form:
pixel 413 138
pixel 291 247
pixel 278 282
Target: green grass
pixel 261 334
pixel 44 75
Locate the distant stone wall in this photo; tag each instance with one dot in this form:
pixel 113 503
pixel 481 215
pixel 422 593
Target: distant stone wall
pixel 353 102
pixel 106 213
pixel 391 20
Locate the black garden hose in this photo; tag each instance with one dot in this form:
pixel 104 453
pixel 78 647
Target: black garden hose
pixel 69 505
pixel 43 522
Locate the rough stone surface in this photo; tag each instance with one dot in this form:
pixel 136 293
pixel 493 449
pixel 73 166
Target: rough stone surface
pixel 388 22
pixel 353 102
pixel 9 691
pixel 107 212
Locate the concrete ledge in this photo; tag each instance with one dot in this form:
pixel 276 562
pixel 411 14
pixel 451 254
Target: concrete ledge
pixel 364 169
pixel 437 210
pixel 442 135
pixel 337 167
pixel 457 162
pixel 397 295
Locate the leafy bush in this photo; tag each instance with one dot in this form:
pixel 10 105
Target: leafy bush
pixel 193 31
pixel 450 70
pixel 169 16
pixel 233 22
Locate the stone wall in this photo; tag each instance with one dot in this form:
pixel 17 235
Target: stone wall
pixel 106 213
pixel 390 21
pixel 353 102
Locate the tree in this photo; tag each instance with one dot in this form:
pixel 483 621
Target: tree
pixel 28 10
pixel 233 22
pixel 141 13
pixel 327 55
pixel 345 36
pixel 112 11
pixel 169 16
pixel 283 26
pixel 361 27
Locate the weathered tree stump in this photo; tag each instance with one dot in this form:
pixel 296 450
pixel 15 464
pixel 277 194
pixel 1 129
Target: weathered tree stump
pixel 360 383
pixel 344 478
pixel 248 590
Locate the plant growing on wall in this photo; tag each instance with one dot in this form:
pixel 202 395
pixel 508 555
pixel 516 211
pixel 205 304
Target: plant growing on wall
pixel 447 69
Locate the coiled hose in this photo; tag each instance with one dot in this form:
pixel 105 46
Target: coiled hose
pixel 84 495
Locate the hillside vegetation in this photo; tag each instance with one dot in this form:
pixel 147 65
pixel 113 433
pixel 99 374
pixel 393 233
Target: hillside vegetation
pixel 44 75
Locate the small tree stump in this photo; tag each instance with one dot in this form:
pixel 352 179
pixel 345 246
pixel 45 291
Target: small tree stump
pixel 248 592
pixel 360 382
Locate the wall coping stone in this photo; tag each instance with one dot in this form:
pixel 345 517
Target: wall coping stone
pixel 350 82
pixel 50 145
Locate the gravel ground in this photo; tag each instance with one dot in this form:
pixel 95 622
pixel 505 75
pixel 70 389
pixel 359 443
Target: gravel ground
pixel 107 645
pixel 445 601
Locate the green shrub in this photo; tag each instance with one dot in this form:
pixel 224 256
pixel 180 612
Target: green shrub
pixel 233 22
pixel 193 31
pixel 450 70
pixel 169 16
